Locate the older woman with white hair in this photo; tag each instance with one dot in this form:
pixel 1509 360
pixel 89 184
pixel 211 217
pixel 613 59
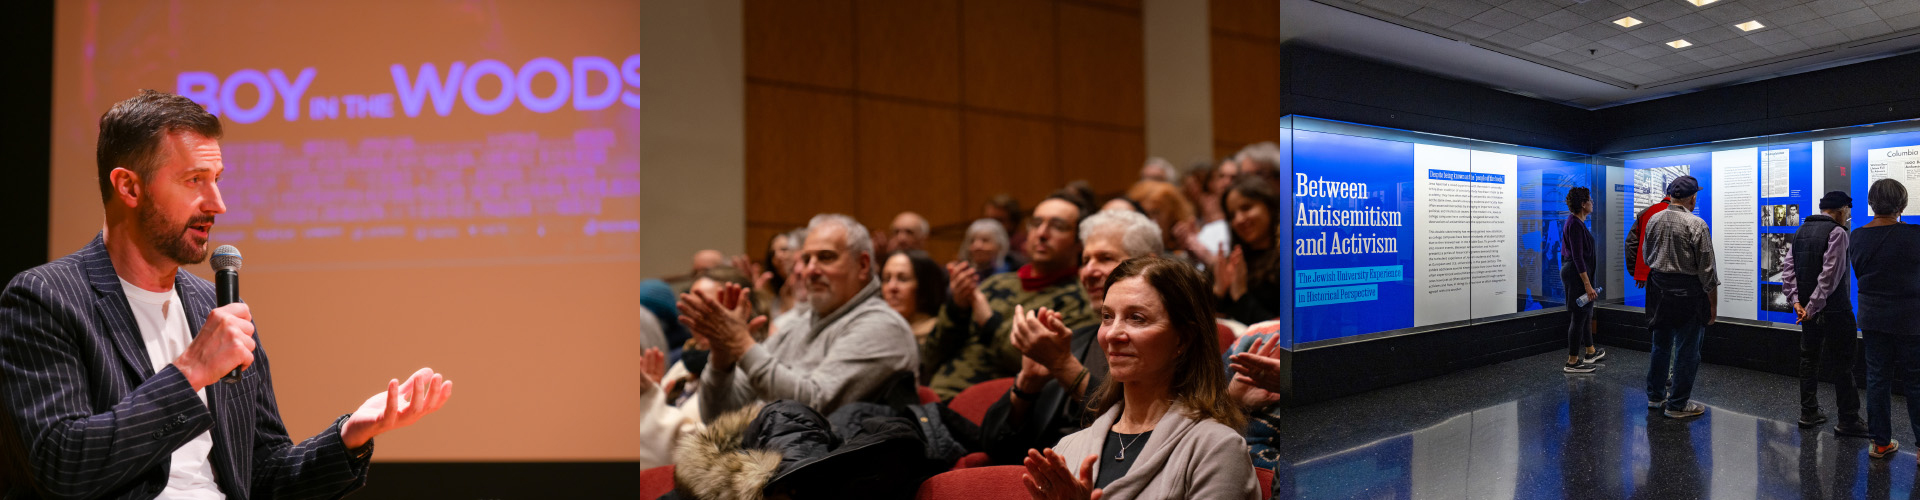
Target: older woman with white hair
pixel 987 249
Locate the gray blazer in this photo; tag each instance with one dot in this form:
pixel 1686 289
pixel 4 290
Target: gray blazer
pixel 1184 458
pixel 85 416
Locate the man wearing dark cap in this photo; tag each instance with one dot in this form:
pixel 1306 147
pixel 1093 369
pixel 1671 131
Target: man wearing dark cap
pixel 1682 301
pixel 1825 312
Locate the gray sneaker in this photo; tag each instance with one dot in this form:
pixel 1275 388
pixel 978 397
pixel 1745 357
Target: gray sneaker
pixel 1579 367
pixel 1693 409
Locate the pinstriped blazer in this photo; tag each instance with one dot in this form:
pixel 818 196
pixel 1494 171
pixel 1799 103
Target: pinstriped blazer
pixel 85 415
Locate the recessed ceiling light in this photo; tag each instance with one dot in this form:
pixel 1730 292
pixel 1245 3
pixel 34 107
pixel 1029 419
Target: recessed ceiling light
pixel 1627 22
pixel 1701 3
pixel 1680 44
pixel 1750 25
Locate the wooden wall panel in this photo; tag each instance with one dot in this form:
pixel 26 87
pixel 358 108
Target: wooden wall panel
pixel 909 49
pixel 1249 18
pixel 800 41
pixel 1102 66
pixel 1012 155
pixel 909 160
pixel 1009 55
pixel 1246 91
pixel 871 107
pixel 800 154
pixel 1109 159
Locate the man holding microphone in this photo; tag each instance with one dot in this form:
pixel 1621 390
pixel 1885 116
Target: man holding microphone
pixel 111 358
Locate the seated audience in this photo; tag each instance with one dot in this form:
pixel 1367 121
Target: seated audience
pixel 1004 208
pixel 971 342
pixel 1167 427
pixel 1157 169
pixel 1039 409
pixel 914 286
pixel 1174 214
pixel 845 345
pixel 1246 279
pixel 1213 228
pixel 909 231
pixel 987 248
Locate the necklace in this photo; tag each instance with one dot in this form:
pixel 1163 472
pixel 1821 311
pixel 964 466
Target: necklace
pixel 1124 444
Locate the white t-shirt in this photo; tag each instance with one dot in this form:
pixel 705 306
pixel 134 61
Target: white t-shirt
pixel 163 327
pixel 1214 234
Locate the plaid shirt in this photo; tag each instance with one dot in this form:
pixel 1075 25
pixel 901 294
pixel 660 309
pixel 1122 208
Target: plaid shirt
pixel 1679 242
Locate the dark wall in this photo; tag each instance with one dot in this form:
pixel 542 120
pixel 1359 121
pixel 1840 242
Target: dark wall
pixel 1856 94
pixel 26 133
pixel 1330 372
pixel 1322 84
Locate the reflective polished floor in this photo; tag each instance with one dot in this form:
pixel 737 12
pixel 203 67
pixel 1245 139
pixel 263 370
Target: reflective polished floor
pixel 1523 429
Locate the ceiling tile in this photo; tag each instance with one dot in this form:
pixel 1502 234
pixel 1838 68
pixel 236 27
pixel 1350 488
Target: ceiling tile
pixel 1622 41
pixel 1660 12
pixel 1896 9
pixel 1826 39
pixel 1395 7
pixel 1620 59
pixel 1788 47
pixel 1728 13
pixel 1769 37
pixel 1756 54
pixel 1641 67
pixel 1854 17
pixel 1702 53
pixel 1473 29
pixel 1721 62
pixel 1599 10
pixel 1571 58
pixel 1689 23
pixel 1596 66
pixel 1629 3
pixel 1435 17
pixel 1530 8
pixel 1596 31
pixel 1563 20
pixel 1534 31
pixel 1765 6
pixel 1807 28
pixel 1865 31
pixel 1462 8
pixel 1568 41
pixel 1509 40
pixel 1735 45
pixel 1649 51
pixel 1689 67
pixel 1500 18
pixel 1660 74
pixel 1655 33
pixel 1905 22
pixel 1675 57
pixel 1713 34
pixel 1831 7
pixel 1540 49
pixel 1789 16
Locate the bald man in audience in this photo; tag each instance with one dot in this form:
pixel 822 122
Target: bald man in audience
pixel 972 341
pixel 909 231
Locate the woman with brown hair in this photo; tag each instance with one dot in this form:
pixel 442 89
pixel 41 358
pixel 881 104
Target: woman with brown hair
pixel 1246 275
pixel 1167 426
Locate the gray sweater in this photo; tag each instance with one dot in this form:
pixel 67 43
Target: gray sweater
pixel 1184 458
pixel 823 362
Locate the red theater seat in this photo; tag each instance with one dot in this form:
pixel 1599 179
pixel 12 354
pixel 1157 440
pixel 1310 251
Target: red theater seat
pixel 974 401
pixel 926 394
pixel 1265 477
pixel 975 459
pixel 656 481
pixel 1227 337
pixel 980 483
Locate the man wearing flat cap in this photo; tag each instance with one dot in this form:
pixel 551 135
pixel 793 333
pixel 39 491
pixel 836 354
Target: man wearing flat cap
pixel 1816 283
pixel 1682 300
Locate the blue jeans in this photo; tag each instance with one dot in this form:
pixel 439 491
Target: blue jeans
pixel 1889 355
pixel 1676 355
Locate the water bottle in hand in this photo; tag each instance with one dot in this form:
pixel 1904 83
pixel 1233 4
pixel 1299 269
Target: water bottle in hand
pixel 1582 301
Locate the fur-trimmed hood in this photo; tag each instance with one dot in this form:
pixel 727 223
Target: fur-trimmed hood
pixel 712 464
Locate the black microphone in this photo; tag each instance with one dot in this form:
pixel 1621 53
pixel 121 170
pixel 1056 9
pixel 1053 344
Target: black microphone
pixel 226 286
